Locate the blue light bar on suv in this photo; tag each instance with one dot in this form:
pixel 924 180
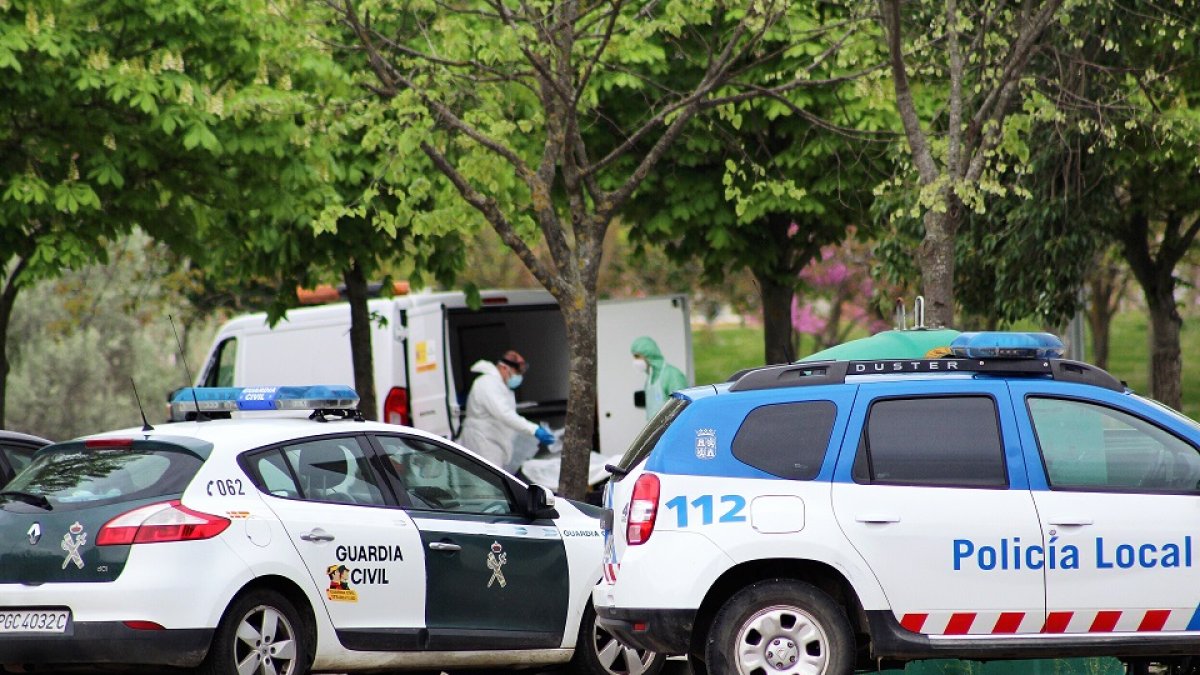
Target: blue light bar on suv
pixel 1004 345
pixel 231 399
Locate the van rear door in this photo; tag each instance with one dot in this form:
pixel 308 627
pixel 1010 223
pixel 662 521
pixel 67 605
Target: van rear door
pixel 422 334
pixel 666 319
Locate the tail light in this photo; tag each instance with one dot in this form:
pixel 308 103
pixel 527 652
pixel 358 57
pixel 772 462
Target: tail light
pixel 157 523
pixel 395 407
pixel 643 507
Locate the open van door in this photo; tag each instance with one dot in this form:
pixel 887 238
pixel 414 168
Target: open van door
pixel 422 339
pixel 667 320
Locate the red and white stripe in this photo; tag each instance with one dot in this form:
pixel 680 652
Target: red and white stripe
pixel 610 572
pixel 1011 623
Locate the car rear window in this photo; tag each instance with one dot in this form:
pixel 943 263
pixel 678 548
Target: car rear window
pixel 786 439
pixel 74 475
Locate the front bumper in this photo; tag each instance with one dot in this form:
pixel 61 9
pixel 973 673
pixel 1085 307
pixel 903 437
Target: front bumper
pixel 108 642
pixel 666 631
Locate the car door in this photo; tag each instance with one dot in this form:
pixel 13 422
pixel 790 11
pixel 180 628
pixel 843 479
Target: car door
pixel 495 579
pixel 931 490
pixel 1116 481
pixel 362 552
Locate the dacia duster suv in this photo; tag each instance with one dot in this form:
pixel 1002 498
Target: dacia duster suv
pixel 825 516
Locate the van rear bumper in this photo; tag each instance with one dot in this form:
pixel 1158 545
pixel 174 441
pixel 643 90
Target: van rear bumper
pixel 666 631
pixel 108 642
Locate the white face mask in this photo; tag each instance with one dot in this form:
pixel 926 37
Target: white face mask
pixel 639 365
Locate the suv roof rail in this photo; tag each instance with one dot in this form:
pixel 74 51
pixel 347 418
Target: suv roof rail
pixel 835 372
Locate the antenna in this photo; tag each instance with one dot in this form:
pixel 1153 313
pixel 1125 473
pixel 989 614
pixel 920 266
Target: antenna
pixel 145 425
pixel 200 417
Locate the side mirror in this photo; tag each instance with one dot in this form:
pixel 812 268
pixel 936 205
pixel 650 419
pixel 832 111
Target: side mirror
pixel 541 502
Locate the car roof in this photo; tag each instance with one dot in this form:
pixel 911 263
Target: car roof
pixel 253 430
pixel 22 438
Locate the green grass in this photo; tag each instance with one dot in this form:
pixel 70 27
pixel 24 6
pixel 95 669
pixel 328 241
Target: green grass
pixel 720 352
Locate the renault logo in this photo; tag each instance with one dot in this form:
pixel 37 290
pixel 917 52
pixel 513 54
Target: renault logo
pixel 35 534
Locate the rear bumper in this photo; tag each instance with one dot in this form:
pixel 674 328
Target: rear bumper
pixel 108 643
pixel 666 631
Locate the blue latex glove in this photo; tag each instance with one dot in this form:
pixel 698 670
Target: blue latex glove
pixel 544 436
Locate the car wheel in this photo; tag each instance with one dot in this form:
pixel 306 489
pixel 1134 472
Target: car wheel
pixel 598 652
pixel 260 634
pixel 696 665
pixel 781 627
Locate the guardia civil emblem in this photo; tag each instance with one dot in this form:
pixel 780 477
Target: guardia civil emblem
pixel 71 542
pixel 495 561
pixel 706 443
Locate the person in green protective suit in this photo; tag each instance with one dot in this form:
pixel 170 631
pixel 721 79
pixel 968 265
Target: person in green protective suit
pixel 662 378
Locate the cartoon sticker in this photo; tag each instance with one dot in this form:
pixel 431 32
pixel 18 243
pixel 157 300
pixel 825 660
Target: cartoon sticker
pixel 71 545
pixel 706 443
pixel 495 560
pixel 339 584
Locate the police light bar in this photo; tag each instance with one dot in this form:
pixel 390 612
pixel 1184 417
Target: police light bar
pixel 231 399
pixel 1006 345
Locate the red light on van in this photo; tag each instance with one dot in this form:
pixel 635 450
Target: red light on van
pixel 495 300
pixel 643 508
pixel 108 443
pixel 395 407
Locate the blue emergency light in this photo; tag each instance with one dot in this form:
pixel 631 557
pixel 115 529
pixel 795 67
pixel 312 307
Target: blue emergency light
pixel 1006 345
pixel 231 399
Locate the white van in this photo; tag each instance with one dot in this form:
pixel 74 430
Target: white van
pixel 423 345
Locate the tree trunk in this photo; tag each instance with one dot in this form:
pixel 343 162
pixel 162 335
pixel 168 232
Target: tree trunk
pixel 1104 292
pixel 360 339
pixel 777 319
pixel 8 300
pixel 936 257
pixel 580 318
pixel 1166 366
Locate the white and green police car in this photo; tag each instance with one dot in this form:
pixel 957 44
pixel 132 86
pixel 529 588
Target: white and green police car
pixel 277 544
pixel 825 516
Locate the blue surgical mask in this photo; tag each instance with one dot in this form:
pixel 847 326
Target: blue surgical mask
pixel 515 380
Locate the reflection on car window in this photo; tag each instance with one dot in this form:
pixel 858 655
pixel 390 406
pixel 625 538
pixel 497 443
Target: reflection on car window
pixel 438 479
pixel 273 474
pixel 18 457
pixel 330 470
pixel 1091 446
pixel 96 476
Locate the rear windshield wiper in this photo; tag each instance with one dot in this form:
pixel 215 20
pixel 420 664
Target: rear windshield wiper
pixel 39 501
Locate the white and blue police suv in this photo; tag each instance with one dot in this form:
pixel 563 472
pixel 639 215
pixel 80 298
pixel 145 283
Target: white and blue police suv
pixel 276 544
pixel 818 517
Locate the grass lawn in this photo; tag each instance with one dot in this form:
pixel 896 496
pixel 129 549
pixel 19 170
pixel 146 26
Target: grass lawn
pixel 720 352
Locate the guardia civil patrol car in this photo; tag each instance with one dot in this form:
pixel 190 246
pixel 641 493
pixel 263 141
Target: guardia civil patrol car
pixel 277 545
pixel 822 516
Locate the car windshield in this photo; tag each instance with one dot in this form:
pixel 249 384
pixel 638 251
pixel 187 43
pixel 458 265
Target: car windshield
pixel 73 475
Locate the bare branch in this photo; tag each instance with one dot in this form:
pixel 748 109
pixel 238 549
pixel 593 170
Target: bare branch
pixel 917 142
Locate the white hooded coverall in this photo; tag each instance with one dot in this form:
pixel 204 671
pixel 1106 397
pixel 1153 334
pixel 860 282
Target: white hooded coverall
pixel 492 420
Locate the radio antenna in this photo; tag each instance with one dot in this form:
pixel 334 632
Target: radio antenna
pixel 188 371
pixel 145 425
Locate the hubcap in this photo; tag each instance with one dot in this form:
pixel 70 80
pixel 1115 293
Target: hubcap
pixel 618 659
pixel 784 640
pixel 265 643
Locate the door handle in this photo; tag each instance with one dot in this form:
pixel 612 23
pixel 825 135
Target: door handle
pixel 317 535
pixel 877 518
pixel 444 546
pixel 1071 522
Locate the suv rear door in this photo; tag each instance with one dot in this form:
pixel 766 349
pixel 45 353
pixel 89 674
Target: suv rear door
pixel 931 489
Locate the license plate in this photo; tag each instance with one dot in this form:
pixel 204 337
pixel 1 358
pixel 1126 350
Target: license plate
pixel 34 620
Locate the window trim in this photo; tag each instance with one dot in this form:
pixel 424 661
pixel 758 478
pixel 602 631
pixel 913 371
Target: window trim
pixel 245 461
pixel 1105 489
pixel 864 446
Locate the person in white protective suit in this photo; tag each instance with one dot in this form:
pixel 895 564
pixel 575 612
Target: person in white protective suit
pixel 492 420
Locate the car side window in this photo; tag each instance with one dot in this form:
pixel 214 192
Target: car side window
pixel 436 478
pixel 934 441
pixel 18 456
pixel 220 368
pixel 787 439
pixel 1090 446
pixel 273 474
pixel 331 470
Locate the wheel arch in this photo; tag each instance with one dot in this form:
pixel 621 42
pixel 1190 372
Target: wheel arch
pixel 290 590
pixel 821 575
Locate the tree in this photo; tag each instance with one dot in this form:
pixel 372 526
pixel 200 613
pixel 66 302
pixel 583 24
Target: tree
pixel 120 113
pixel 974 60
pixel 505 99
pixel 764 184
pixel 840 295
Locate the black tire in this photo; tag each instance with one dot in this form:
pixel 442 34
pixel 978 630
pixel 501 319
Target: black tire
pixel 696 665
pixel 598 652
pixel 272 633
pixel 781 627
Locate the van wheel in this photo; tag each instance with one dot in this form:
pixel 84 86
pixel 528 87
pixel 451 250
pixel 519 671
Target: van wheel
pixel 780 627
pixel 598 652
pixel 261 633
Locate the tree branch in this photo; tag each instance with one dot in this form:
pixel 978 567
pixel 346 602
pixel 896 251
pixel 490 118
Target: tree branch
pixel 917 141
